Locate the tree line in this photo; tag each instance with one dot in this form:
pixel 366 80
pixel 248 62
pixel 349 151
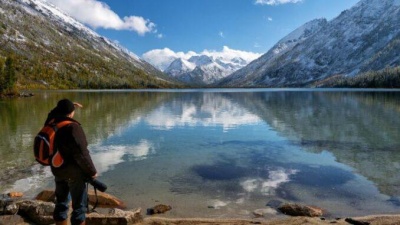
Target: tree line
pixel 386 78
pixel 10 70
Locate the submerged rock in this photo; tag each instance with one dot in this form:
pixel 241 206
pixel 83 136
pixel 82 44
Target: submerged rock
pixel 158 209
pixel 356 222
pixel 292 209
pixel 263 212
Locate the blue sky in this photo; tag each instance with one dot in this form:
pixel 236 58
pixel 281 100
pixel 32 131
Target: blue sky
pixel 193 26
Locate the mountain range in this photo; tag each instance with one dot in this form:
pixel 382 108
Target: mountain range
pixel 363 38
pixel 53 50
pixel 203 69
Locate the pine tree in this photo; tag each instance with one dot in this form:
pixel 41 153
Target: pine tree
pixel 2 86
pixel 10 77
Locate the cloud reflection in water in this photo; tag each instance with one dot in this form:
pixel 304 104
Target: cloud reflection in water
pixel 216 111
pixel 107 156
pixel 268 186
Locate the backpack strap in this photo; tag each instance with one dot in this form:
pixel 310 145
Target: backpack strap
pixel 58 125
pixel 57 160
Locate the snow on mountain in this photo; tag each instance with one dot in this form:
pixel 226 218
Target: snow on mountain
pixel 204 69
pixel 285 45
pixel 70 24
pixel 179 66
pixel 200 60
pixel 365 37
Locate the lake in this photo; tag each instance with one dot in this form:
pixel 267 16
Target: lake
pixel 223 152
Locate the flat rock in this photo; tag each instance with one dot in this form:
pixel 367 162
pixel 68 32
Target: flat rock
pixel 115 216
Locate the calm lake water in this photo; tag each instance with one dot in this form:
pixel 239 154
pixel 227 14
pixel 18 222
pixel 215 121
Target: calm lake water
pixel 224 153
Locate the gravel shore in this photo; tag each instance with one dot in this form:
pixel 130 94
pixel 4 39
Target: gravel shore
pixel 372 220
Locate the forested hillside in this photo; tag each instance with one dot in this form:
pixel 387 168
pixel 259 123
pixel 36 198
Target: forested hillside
pixel 53 52
pixel 387 78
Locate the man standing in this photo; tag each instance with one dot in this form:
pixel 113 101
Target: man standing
pixel 78 167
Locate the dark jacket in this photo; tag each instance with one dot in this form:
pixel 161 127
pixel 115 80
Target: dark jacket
pixel 71 142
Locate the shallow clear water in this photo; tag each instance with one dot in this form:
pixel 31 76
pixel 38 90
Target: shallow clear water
pixel 224 153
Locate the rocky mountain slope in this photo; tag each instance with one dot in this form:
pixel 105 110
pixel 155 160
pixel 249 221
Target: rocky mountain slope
pixel 363 38
pixel 53 50
pixel 203 69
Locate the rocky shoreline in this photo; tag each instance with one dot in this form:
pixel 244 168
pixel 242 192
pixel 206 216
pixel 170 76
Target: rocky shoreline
pixel 14 209
pixel 16 95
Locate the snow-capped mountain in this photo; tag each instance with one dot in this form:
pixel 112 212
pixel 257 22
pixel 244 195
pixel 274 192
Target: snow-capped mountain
pixel 179 66
pixel 203 69
pixel 42 36
pixel 363 38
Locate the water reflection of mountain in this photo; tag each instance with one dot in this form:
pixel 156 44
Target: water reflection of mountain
pixel 359 128
pixel 200 109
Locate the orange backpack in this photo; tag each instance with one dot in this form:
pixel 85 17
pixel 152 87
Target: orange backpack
pixel 43 147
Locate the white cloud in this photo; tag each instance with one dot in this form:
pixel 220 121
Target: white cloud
pixel 276 2
pixel 98 14
pixel 221 34
pixel 162 58
pixel 269 18
pixel 228 53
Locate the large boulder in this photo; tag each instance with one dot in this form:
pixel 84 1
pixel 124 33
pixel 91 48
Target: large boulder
pixel 8 207
pixel 115 217
pixel 8 204
pixel 293 209
pixel 38 212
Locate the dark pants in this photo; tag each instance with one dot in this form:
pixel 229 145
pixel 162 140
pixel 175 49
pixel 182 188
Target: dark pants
pixel 67 189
